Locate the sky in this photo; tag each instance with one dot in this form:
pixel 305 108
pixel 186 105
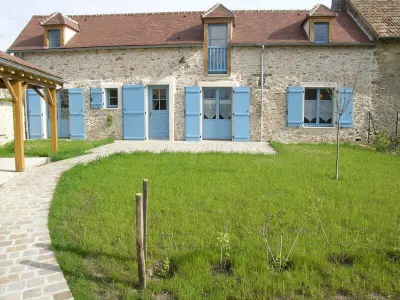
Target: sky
pixel 14 15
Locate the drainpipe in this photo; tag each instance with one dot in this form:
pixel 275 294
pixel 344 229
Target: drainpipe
pixel 26 116
pixel 262 92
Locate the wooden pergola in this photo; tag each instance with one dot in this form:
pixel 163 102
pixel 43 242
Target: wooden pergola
pixel 17 75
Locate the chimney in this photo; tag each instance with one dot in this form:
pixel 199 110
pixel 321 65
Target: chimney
pixel 338 5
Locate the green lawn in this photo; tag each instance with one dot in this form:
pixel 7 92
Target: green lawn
pixel 193 197
pixel 42 148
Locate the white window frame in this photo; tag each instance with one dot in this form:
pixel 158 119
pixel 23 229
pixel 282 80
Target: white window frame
pixel 111 85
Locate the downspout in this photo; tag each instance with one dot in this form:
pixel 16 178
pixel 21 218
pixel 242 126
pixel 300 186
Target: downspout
pixel 262 92
pixel 26 116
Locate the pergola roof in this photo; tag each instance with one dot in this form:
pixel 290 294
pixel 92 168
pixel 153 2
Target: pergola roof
pixel 12 67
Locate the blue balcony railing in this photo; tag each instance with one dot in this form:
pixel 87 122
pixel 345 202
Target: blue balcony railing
pixel 217 60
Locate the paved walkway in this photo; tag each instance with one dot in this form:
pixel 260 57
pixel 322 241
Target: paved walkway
pixel 7 167
pixel 28 268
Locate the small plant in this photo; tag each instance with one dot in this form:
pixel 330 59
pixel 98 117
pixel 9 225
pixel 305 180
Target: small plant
pixel 164 268
pixel 109 121
pixel 382 141
pixel 278 260
pixel 224 245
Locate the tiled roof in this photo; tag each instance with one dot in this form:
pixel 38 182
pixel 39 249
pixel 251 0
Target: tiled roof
pixel 59 19
pixel 218 11
pixel 382 16
pixel 186 28
pixel 23 63
pixel 321 10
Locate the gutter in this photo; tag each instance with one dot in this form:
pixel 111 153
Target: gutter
pixel 20 67
pixel 301 44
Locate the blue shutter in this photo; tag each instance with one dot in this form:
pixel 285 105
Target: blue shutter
pixel 76 114
pixel 295 106
pixel 192 113
pixel 96 98
pixel 35 115
pixel 133 110
pixel 346 96
pixel 241 114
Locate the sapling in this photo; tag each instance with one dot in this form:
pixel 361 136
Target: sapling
pixel 224 244
pixel 279 260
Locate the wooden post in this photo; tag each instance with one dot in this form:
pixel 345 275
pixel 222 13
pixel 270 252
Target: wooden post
pixel 53 120
pixel 18 126
pixel 145 197
pixel 139 241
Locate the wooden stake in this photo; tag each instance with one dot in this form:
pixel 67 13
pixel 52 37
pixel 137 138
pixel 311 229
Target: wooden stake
pixel 145 197
pixel 53 120
pixel 139 241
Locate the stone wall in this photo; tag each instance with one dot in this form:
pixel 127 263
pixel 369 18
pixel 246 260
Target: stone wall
pixel 283 67
pixel 4 94
pixel 6 122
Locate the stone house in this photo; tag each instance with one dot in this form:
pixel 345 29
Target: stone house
pixel 228 75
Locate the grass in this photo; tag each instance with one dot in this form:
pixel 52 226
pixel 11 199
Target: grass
pixel 5 99
pixel 42 148
pixel 195 195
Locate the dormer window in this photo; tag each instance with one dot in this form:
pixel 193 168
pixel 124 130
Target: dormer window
pixel 217 48
pixel 54 37
pixel 321 32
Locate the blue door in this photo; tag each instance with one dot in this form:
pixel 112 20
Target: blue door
pixel 217 113
pixel 133 110
pixel 192 113
pixel 35 115
pixel 62 115
pixel 76 114
pixel 158 112
pixel 241 116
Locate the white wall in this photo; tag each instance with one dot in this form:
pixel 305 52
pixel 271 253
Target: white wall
pixel 6 123
pixel 68 34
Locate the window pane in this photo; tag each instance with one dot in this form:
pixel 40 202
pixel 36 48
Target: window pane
pixel 326 94
pixel 155 105
pixel 163 93
pixel 218 32
pixel 326 112
pixel 54 38
pixel 225 94
pixel 113 101
pixel 113 93
pixel 310 111
pixel 219 43
pixel 163 104
pixel 321 32
pixel 155 93
pixel 210 107
pixel 311 94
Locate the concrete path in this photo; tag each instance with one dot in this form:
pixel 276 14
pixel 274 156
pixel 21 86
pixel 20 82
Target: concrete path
pixel 28 268
pixel 7 166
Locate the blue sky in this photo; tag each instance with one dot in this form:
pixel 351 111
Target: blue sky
pixel 16 14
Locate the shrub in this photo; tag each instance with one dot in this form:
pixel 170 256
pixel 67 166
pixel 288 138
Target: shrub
pixel 382 141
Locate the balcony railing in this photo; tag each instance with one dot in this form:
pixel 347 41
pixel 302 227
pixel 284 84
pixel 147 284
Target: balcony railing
pixel 217 60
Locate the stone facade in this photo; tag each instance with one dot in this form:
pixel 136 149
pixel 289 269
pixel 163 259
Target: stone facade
pixel 6 122
pixel 284 66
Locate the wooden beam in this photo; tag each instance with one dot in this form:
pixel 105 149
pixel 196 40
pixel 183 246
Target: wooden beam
pixel 53 120
pixel 17 89
pixel 31 81
pixel 50 98
pixel 10 89
pixel 40 93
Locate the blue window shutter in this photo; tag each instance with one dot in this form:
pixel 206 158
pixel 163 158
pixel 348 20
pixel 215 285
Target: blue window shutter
pixel 76 114
pixel 346 98
pixel 35 115
pixel 133 112
pixel 96 98
pixel 295 106
pixel 192 113
pixel 241 114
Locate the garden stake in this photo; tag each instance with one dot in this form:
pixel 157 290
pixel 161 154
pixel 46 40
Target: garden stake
pixel 145 198
pixel 139 241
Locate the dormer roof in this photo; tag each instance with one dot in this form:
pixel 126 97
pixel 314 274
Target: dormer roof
pixel 218 11
pixel 58 18
pixel 321 10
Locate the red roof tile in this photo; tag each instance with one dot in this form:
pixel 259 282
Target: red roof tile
pixel 186 29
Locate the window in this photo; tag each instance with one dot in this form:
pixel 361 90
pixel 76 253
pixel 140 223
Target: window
pixel 217 48
pixel 217 103
pixel 321 33
pixel 318 107
pixel 54 38
pixel 112 98
pixel 159 99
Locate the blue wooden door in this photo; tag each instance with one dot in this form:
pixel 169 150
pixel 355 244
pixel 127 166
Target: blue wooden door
pixel 133 110
pixel 35 116
pixel 192 113
pixel 217 113
pixel 242 115
pixel 76 114
pixel 158 112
